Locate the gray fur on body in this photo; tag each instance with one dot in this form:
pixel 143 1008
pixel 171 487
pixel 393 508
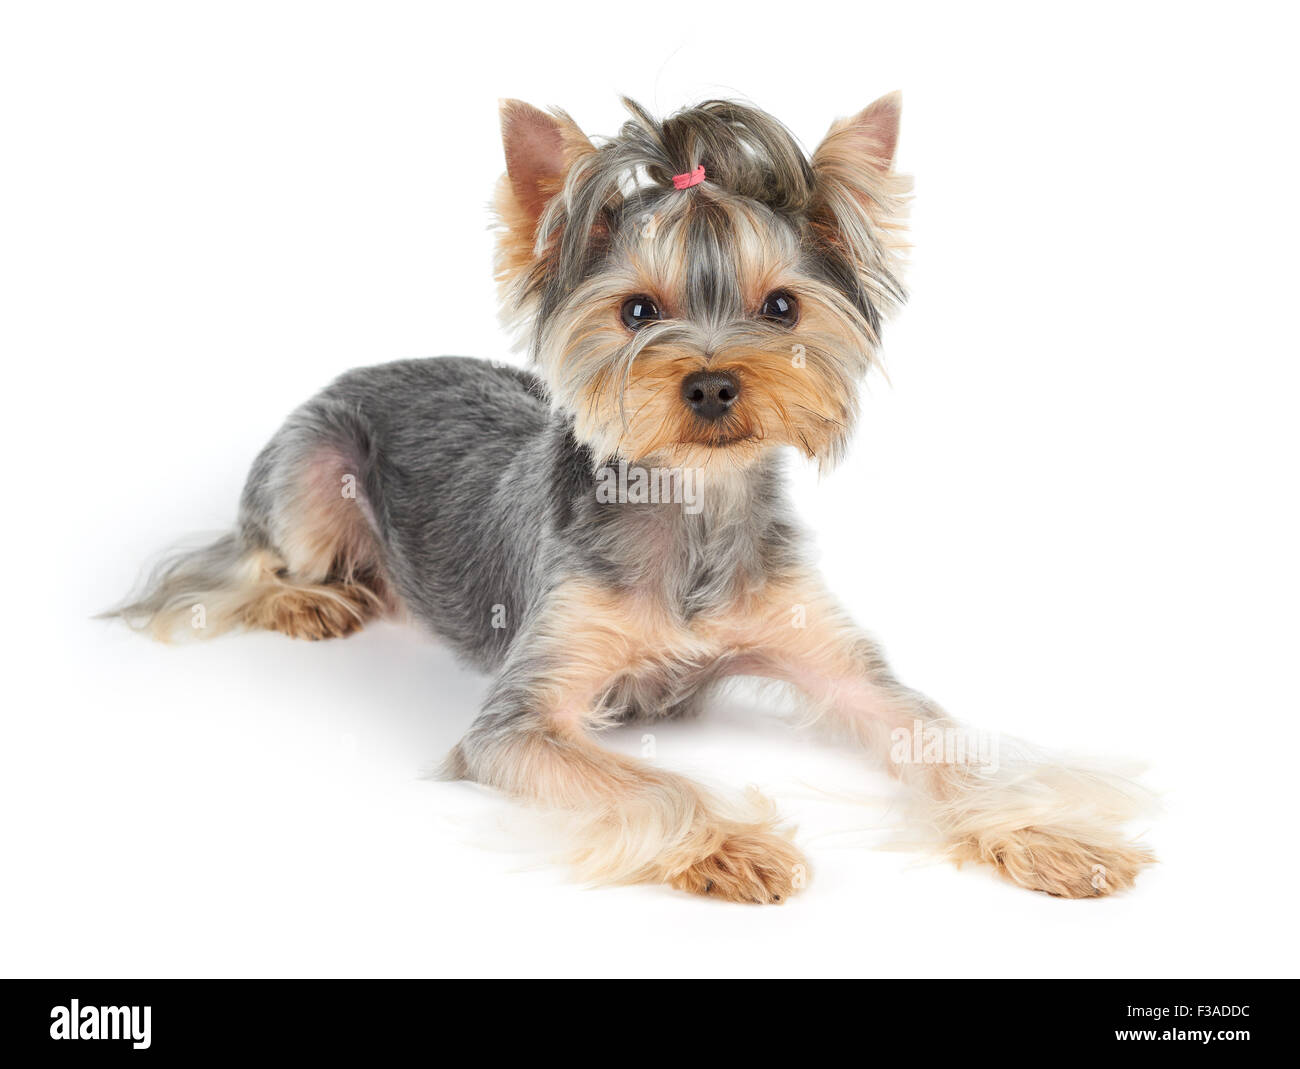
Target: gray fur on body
pixel 477 493
pixel 479 496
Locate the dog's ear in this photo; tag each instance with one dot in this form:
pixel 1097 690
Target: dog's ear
pixel 540 148
pixel 859 201
pixel 867 141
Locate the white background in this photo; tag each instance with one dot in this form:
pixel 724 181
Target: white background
pixel 1070 513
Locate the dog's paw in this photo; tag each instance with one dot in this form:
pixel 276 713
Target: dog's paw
pixel 1058 862
pixel 747 866
pixel 312 613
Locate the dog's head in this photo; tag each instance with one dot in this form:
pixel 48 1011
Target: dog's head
pixel 698 290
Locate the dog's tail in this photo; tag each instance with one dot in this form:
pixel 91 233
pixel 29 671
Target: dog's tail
pixel 201 592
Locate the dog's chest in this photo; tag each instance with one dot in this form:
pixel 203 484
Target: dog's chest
pixel 668 657
pixel 691 565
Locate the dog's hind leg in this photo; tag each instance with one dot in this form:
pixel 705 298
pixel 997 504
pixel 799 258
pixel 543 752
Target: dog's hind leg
pixel 304 560
pixel 321 575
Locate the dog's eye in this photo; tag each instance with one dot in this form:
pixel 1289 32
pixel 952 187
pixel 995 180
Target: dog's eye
pixel 638 311
pixel 780 307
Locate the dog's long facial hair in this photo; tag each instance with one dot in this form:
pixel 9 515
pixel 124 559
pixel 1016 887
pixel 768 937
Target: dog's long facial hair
pixel 770 275
pixel 696 294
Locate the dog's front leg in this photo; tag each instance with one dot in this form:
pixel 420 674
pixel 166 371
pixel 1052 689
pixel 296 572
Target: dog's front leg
pixel 636 823
pixel 1048 824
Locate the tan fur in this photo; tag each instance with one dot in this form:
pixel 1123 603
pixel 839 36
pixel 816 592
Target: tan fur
pixel 1047 824
pixel 860 201
pixel 796 387
pixel 310 610
pixel 260 593
pixel 321 532
pixel 634 823
pixel 746 866
pixel 324 582
pixel 637 824
pixel 1076 863
pixel 539 148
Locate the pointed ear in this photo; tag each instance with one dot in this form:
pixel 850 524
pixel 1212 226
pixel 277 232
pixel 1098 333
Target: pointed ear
pixel 539 150
pixel 868 139
pixel 859 201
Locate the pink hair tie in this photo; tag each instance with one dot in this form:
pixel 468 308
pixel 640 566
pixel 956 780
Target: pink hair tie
pixel 690 178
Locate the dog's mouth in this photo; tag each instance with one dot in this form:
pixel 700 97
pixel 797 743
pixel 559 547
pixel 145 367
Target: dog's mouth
pixel 720 441
pixel 724 434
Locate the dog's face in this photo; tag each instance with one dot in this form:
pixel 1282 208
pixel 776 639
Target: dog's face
pixel 702 325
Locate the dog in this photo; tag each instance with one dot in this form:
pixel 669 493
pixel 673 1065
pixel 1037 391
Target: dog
pixel 606 533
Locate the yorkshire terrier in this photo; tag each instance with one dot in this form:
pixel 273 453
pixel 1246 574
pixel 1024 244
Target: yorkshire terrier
pixel 607 533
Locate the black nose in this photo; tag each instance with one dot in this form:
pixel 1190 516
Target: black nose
pixel 710 393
